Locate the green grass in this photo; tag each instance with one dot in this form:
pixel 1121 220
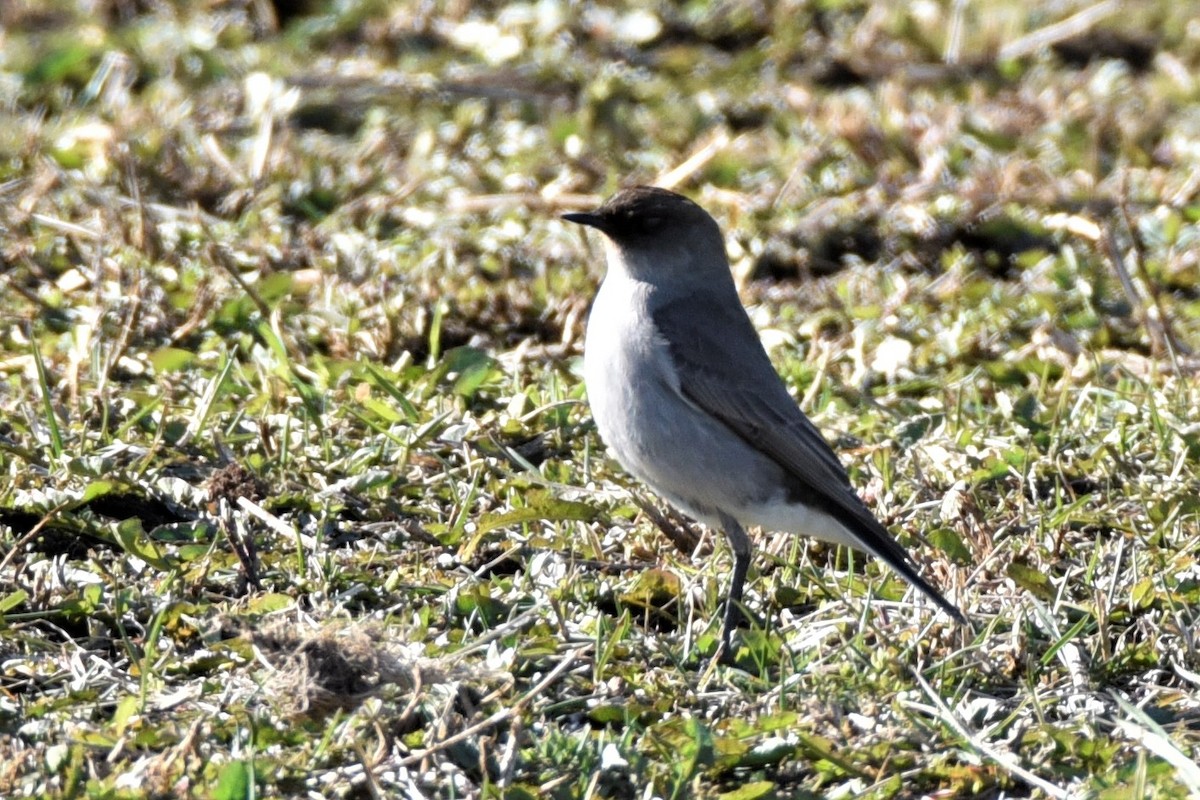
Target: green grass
pixel 300 494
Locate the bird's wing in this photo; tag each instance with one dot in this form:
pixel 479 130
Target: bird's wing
pixel 724 370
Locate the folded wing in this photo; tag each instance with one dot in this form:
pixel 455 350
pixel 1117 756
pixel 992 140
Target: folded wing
pixel 724 370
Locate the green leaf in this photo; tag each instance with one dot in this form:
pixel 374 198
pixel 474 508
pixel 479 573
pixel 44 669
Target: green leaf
pixel 234 782
pixel 697 749
pixel 12 600
pixel 236 312
pixel 1031 580
pixel 542 506
pixel 92 595
pixel 128 706
pixel 750 791
pixel 789 596
pixel 191 552
pixel 69 62
pixel 778 721
pixel 98 739
pixel 269 603
pixel 440 309
pixel 95 489
pixel 383 411
pixel 915 428
pixel 608 714
pixel 51 419
pixel 951 544
pixel 1003 373
pixel 472 366
pixel 520 791
pixel 654 589
pixel 171 359
pixel 391 385
pixel 275 286
pixel 1143 593
pixel 477 601
pixel 134 541
pixel 770 751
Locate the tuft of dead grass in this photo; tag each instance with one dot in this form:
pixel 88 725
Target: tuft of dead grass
pixel 337 668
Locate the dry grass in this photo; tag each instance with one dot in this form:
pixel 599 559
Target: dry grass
pixel 299 495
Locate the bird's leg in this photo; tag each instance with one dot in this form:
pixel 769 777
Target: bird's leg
pixel 739 543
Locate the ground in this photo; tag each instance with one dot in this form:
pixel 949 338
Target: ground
pixel 299 491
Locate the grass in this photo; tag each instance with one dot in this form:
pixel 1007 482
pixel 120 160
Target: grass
pixel 299 491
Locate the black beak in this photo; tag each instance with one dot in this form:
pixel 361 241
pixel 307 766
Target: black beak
pixel 592 220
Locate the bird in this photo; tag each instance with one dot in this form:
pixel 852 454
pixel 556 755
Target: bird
pixel 685 396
